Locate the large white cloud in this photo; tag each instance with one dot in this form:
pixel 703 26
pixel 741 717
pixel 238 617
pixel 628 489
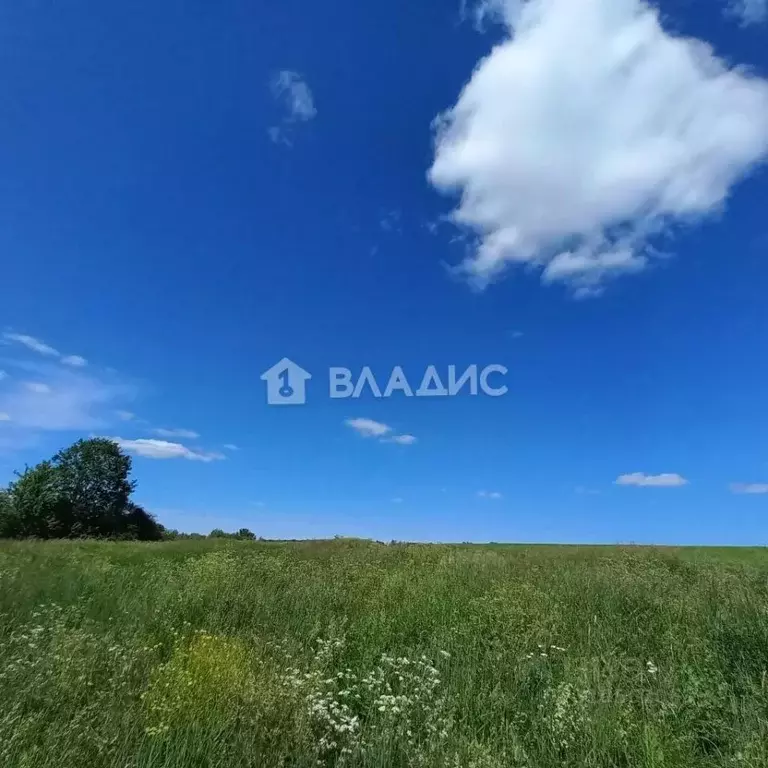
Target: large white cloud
pixel 586 132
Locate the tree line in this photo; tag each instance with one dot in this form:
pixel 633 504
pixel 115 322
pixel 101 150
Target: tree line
pixel 83 491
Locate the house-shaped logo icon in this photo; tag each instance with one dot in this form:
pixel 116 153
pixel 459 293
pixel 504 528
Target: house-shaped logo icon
pixel 286 383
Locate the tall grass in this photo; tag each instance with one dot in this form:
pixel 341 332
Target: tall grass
pixel 360 654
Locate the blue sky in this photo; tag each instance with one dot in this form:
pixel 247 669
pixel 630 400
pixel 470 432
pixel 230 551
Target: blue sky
pixel 574 189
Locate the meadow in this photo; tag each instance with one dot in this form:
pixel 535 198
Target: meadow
pixel 355 653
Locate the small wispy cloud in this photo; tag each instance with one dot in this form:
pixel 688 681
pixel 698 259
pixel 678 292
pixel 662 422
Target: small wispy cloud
pixel 748 11
pixel 401 439
pixel 125 415
pixel 489 495
pixel 749 488
pixel 368 427
pixel 4 416
pixel 74 360
pixel 30 342
pixel 3 375
pixel 293 93
pixel 640 479
pixel 59 398
pixel 483 13
pixel 182 434
pixel 36 345
pixel 38 387
pixel 391 221
pixel 164 449
pixel 230 447
pixel 384 433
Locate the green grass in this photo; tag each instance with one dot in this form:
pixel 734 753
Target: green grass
pixel 354 653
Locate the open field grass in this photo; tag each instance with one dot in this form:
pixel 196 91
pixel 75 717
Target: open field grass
pixel 354 653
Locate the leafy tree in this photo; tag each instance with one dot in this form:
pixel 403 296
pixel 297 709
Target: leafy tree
pixel 84 490
pixel 92 475
pixel 9 523
pixel 35 507
pixel 244 533
pixel 217 533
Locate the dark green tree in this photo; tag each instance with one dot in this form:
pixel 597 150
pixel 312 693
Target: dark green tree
pixel 84 490
pixel 93 477
pixel 9 523
pixel 140 524
pixel 34 506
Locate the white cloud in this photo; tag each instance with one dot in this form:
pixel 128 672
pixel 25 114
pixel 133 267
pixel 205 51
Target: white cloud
pixel 74 360
pixel 749 488
pixel 30 342
pixel 489 494
pixel 163 449
pixel 125 415
pixel 664 480
pixel 180 433
pixel 749 11
pixel 368 427
pixel 60 398
pixel 37 387
pixel 401 439
pixel 371 428
pixel 4 416
pixel 230 447
pixel 391 221
pixel 3 375
pixel 294 92
pixel 587 132
pixel 278 136
pixel 482 13
pixel 290 89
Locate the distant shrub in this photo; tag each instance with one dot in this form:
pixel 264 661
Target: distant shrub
pixel 243 534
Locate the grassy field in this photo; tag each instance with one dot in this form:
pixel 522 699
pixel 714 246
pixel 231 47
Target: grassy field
pixel 355 653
